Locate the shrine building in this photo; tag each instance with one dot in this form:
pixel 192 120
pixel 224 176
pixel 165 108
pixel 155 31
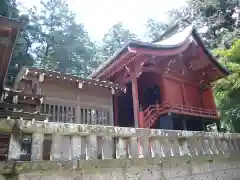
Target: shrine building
pixel 161 85
pixel 59 126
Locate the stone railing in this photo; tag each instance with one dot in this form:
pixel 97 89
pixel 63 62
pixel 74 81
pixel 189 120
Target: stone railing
pixel 75 146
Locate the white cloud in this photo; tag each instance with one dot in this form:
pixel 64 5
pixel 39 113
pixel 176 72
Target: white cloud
pixel 99 15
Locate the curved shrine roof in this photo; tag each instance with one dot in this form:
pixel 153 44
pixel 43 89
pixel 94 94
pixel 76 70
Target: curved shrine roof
pixel 176 41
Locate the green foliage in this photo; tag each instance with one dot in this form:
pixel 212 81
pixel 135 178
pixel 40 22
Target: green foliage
pixel 8 8
pixel 61 43
pixel 228 90
pixel 21 54
pixel 219 17
pixel 115 38
pixel 155 29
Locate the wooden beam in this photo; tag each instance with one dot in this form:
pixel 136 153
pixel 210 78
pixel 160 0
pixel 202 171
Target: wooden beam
pixel 120 66
pixel 168 76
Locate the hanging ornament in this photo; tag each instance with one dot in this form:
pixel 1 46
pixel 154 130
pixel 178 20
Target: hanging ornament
pixel 6 95
pixel 15 99
pixel 33 120
pixel 27 71
pixel 41 77
pixel 113 90
pixel 41 100
pixel 80 85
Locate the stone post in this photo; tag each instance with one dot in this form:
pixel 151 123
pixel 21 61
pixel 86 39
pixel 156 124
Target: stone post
pixel 134 147
pixel 37 146
pixel 155 147
pixel 55 150
pixel 76 147
pixel 91 147
pixel 143 147
pixel 107 147
pixel 121 148
pixel 65 147
pixel 14 147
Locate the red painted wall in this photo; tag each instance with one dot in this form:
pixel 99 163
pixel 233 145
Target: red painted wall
pixel 192 95
pixel 172 91
pixel 208 99
pixel 176 91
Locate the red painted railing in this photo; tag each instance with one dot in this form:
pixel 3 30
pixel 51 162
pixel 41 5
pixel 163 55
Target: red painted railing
pixel 152 113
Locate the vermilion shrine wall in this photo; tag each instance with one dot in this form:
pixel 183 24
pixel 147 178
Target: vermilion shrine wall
pixel 177 92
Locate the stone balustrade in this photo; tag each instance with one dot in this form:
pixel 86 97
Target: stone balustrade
pixel 78 146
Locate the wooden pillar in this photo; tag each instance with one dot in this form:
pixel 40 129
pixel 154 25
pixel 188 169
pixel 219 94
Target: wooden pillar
pixel 135 100
pixel 78 110
pixel 115 109
pixel 182 93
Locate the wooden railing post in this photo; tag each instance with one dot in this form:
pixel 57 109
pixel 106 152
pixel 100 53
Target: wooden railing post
pixel 141 118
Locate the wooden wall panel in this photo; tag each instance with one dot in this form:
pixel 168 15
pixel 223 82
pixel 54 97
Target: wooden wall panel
pixel 208 99
pixel 192 96
pixel 172 91
pixel 54 89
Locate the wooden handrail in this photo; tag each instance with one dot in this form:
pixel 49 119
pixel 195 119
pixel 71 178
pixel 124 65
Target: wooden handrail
pixel 154 111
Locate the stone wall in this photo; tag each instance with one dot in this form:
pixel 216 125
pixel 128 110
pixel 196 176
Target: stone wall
pixel 100 152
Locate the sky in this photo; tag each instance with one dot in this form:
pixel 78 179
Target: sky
pixel 99 15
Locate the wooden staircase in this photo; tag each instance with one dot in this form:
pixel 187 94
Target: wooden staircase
pixel 153 112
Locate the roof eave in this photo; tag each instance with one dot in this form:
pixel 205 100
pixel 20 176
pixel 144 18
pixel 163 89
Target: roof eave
pixel 139 44
pixel 10 23
pixel 31 70
pixel 109 61
pixel 135 44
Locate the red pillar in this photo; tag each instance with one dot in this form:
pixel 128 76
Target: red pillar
pixel 135 100
pixel 141 118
